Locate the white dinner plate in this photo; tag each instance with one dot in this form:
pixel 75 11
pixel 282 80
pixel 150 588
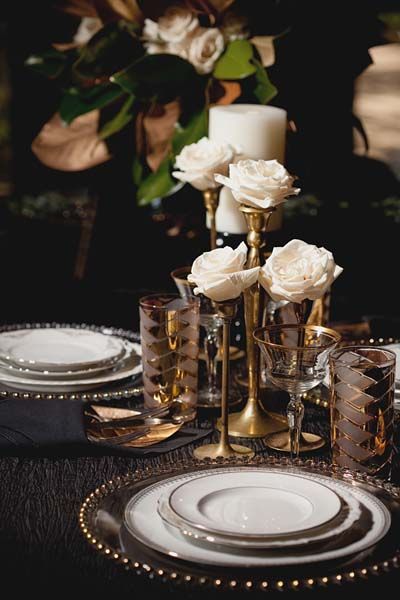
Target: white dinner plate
pixel 132 366
pixel 350 512
pixel 145 524
pixel 24 372
pixel 59 349
pixel 254 504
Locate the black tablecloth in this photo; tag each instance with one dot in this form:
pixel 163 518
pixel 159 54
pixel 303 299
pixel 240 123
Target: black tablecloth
pixel 40 542
pixel 41 546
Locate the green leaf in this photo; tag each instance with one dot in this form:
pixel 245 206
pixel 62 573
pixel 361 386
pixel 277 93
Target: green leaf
pixel 195 129
pixel 119 121
pixel 51 64
pixel 157 184
pixel 235 63
pixel 137 170
pixel 157 77
pixel 264 90
pixel 111 49
pixel 77 102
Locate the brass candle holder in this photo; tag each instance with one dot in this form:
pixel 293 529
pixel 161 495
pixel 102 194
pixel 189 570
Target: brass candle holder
pixel 226 311
pixel 253 421
pixel 211 201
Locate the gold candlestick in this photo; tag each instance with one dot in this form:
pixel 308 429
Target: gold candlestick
pixel 211 201
pixel 226 311
pixel 252 421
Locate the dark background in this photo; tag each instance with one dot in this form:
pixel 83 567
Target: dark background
pixel 343 195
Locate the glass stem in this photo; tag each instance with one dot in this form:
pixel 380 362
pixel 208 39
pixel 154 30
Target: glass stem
pixel 295 413
pixel 211 351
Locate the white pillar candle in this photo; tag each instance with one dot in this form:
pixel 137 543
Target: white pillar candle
pixel 260 132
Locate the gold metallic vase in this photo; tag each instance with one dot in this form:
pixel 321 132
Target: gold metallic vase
pixel 211 201
pixel 252 421
pixel 226 311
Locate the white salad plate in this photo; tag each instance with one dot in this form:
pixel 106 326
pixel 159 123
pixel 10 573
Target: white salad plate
pixel 254 504
pixel 130 366
pixel 59 349
pixel 144 523
pixel 349 513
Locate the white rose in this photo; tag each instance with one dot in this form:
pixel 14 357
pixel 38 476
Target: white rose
pixel 259 183
pixel 298 271
pixel 206 46
pixel 200 161
pixel 221 274
pixel 86 30
pixel 150 31
pixel 176 24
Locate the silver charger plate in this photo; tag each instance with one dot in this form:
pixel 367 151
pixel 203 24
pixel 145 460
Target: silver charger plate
pixel 144 523
pixel 101 521
pixel 126 388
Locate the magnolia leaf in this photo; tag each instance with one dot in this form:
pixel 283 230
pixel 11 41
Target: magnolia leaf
pixel 77 102
pixel 119 121
pixel 264 90
pixel 194 130
pixel 157 184
pixel 51 64
pixel 236 62
pixel 157 77
pixel 111 49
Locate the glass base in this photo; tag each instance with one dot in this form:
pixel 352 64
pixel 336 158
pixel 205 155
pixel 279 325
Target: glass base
pixel 207 400
pixel 281 441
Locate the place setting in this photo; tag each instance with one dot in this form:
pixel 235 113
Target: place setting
pixel 232 517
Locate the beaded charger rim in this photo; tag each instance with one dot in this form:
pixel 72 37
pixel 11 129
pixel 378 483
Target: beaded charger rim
pixel 111 392
pixel 179 573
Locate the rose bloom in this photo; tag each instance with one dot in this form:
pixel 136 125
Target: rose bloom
pixel 221 275
pixel 173 27
pixel 259 183
pixel 200 161
pixel 205 47
pixel 298 271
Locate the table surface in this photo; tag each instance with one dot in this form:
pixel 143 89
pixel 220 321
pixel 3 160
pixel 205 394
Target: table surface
pixel 41 545
pixel 40 541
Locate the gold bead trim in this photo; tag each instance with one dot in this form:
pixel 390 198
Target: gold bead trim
pixel 90 504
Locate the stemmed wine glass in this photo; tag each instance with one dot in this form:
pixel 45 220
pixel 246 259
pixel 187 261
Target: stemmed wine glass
pixel 296 359
pixel 209 395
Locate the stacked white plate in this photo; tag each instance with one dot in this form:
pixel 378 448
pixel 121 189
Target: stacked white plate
pixel 255 517
pixel 65 359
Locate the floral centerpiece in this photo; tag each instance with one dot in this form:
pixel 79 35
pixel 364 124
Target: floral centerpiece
pixel 153 68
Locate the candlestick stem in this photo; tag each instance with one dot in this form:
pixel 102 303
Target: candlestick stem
pixel 211 200
pixel 252 421
pixel 226 311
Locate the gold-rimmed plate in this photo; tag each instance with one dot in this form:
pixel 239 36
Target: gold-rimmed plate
pixel 110 500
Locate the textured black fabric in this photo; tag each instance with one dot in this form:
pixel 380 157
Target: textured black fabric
pixel 31 423
pixel 42 547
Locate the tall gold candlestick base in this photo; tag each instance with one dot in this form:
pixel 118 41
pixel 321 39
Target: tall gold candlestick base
pixel 227 311
pixel 211 201
pixel 252 421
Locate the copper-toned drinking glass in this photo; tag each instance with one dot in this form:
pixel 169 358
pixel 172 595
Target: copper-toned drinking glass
pixel 362 408
pixel 169 329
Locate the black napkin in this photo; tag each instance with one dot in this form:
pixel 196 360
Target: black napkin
pixel 29 425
